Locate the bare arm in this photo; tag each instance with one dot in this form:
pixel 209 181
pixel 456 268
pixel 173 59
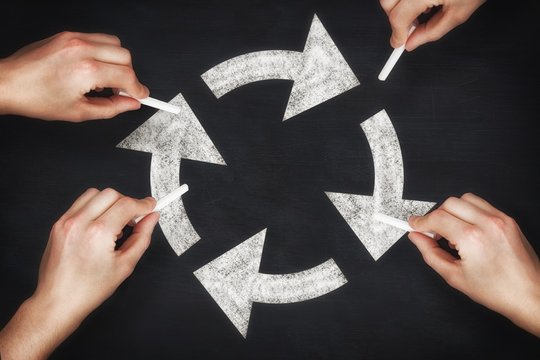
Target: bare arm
pixel 80 269
pixel 497 268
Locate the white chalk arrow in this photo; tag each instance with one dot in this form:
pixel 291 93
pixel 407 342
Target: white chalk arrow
pixel 387 198
pixel 319 72
pixel 170 138
pixel 234 282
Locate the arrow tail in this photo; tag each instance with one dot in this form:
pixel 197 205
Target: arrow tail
pixel 305 285
pixel 252 67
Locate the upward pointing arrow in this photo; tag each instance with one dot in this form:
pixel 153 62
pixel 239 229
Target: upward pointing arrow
pixel 319 72
pixel 358 210
pixel 170 138
pixel 234 282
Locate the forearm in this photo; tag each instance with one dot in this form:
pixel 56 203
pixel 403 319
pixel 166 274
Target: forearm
pixel 36 329
pixel 4 91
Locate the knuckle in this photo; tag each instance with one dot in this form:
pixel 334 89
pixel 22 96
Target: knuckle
pixel 88 66
pixel 452 200
pixel 472 232
pixel 468 196
pixel 110 192
pixel 69 224
pixel 126 202
pixel 65 35
pixel 75 42
pixel 498 223
pixel 436 215
pixel 97 228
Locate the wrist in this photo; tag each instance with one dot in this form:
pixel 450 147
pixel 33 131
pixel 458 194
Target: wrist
pixel 6 105
pixel 527 315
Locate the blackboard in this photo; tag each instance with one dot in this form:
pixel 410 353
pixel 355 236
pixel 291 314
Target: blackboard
pixel 464 111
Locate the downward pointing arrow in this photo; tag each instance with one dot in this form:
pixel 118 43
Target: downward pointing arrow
pixel 234 282
pixel 170 138
pixel 358 210
pixel 319 73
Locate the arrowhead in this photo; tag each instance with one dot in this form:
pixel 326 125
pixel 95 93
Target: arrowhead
pixel 180 136
pixel 358 210
pixel 322 75
pixel 228 279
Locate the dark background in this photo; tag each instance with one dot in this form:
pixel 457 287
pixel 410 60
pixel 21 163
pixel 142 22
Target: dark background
pixel 464 110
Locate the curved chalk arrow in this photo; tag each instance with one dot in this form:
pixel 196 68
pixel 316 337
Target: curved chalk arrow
pixel 358 210
pixel 170 138
pixel 319 72
pixel 234 282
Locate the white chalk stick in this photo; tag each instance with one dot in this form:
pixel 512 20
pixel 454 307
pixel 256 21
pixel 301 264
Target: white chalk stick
pixel 166 200
pixel 400 224
pixel 392 60
pixel 155 103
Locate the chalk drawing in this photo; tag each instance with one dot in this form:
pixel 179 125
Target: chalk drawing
pixel 171 138
pixel 387 198
pixel 319 72
pixel 234 281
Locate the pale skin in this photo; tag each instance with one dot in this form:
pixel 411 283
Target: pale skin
pixel 50 79
pixel 79 270
pixel 497 266
pixel 403 13
pixel 81 267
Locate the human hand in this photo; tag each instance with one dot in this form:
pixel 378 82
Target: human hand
pixel 80 269
pixel 497 268
pixel 49 79
pixel 402 13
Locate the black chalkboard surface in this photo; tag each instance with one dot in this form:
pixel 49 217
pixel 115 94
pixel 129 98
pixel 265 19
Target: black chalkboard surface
pixel 464 111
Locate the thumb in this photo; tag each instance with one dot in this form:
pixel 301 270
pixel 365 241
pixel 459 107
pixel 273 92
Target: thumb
pixel 437 258
pixel 134 247
pixel 107 107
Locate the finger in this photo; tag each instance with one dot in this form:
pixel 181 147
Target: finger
pixel 435 28
pixel 81 201
pixel 99 204
pixel 124 210
pixel 402 16
pixel 464 210
pixel 134 247
pixel 117 76
pixel 388 5
pixel 93 37
pixel 481 204
pixel 437 258
pixel 111 54
pixel 93 108
pixel 443 223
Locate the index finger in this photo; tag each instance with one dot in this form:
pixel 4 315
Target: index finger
pixel 443 223
pixel 124 210
pixel 119 77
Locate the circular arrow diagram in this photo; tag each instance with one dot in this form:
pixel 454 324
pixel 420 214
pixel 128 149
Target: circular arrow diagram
pixel 319 73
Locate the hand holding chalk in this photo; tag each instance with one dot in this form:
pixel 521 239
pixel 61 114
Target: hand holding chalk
pixel 400 224
pixel 166 200
pixel 155 103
